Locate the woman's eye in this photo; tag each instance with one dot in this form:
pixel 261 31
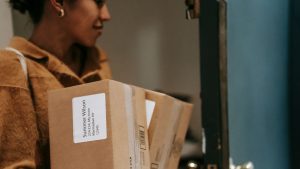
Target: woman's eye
pixel 99 2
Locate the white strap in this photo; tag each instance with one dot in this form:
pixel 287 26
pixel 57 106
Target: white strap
pixel 21 58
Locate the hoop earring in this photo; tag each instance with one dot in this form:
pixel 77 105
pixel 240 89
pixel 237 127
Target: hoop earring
pixel 61 13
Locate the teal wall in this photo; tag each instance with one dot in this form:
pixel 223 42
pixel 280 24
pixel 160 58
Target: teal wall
pixel 258 82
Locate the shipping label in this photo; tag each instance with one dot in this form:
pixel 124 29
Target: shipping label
pixel 89 118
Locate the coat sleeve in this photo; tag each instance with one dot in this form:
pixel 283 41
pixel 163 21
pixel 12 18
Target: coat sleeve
pixel 18 130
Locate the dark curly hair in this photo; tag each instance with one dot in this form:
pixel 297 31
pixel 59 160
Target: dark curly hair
pixel 35 8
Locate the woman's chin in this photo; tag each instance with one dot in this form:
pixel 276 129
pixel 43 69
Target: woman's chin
pixel 89 43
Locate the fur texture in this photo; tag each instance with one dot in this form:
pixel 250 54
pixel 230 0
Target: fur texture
pixel 24 136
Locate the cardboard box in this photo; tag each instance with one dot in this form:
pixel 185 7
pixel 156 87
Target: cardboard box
pixel 167 129
pixel 100 125
pixel 180 136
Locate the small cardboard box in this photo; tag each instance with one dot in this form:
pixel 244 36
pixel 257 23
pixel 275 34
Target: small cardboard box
pixel 167 128
pixel 99 125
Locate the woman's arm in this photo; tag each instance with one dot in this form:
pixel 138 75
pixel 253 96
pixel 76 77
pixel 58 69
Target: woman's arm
pixel 18 130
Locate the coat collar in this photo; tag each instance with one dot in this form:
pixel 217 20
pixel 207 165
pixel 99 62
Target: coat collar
pixel 28 48
pixel 59 69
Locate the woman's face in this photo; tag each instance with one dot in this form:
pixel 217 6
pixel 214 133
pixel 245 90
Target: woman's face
pixel 84 20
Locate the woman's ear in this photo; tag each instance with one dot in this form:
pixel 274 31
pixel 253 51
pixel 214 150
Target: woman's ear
pixel 57 4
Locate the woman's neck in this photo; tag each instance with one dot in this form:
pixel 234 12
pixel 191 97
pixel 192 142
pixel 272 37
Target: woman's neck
pixel 49 37
pixel 57 42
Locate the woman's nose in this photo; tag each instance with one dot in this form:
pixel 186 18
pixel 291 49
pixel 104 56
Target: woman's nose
pixel 104 13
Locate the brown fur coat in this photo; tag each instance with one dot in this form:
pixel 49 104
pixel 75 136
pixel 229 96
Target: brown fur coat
pixel 24 140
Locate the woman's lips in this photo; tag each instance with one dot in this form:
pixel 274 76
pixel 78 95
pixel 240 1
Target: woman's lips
pixel 98 27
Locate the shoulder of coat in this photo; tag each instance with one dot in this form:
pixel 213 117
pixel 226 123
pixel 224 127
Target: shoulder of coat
pixel 11 72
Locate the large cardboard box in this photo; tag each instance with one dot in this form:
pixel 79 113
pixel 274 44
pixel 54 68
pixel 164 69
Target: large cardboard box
pixel 167 129
pixel 100 125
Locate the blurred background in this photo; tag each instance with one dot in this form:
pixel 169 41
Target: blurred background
pixel 151 44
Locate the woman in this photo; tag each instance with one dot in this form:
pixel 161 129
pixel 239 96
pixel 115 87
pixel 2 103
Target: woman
pixel 60 53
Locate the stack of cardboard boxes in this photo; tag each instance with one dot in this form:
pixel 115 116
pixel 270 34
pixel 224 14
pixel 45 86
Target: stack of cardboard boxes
pixel 103 125
pixel 167 129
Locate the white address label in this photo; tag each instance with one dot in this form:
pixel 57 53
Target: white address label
pixel 89 118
